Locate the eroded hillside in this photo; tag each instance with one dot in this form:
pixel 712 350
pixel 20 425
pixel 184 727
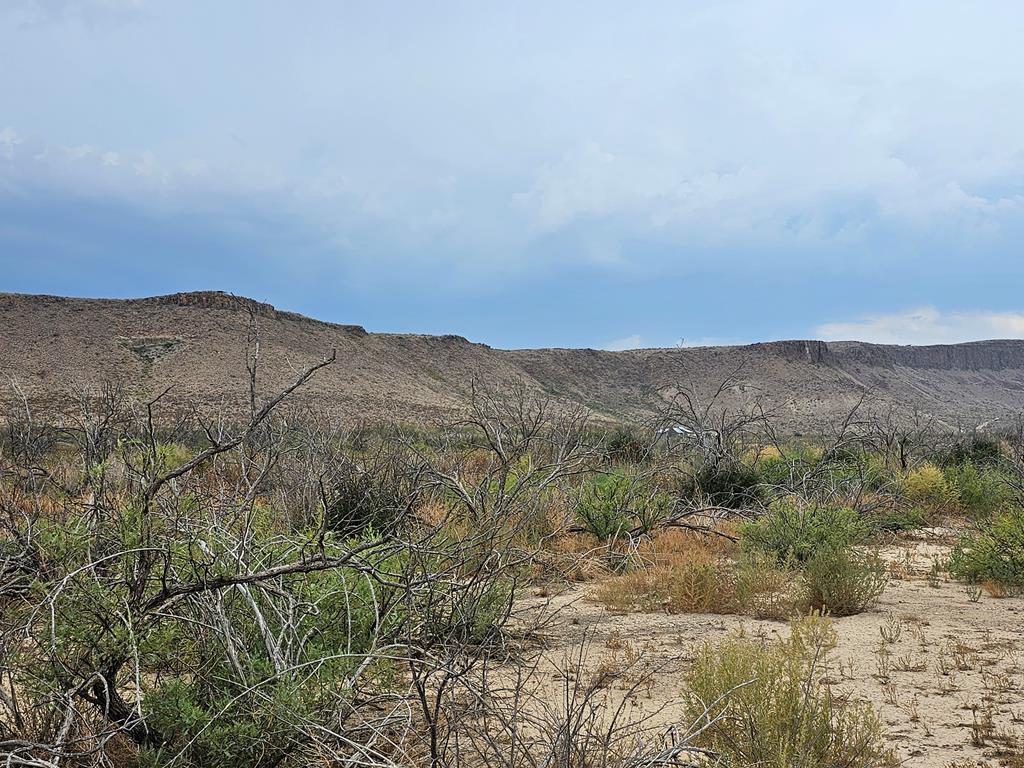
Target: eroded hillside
pixel 195 343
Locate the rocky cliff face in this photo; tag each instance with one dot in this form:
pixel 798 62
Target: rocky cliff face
pixel 195 344
pixel 972 356
pixel 995 355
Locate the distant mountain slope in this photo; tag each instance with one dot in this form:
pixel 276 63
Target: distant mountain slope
pixel 195 344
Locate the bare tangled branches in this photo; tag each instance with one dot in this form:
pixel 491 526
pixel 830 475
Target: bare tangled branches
pixel 280 592
pixel 288 591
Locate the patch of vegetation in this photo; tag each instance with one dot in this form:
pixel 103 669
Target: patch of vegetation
pixel 612 504
pixel 149 349
pixel 768 704
pixel 796 531
pixel 729 483
pixel 359 499
pixel 980 450
pixel 979 490
pixel 894 519
pixel 260 595
pixel 626 446
pixel 992 553
pixel 707 584
pixel 844 581
pixel 926 489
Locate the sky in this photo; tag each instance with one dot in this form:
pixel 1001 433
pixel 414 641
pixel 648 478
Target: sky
pixel 586 174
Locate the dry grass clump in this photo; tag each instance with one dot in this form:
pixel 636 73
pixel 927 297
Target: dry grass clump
pixel 687 572
pixel 705 581
pixel 571 557
pixel 675 545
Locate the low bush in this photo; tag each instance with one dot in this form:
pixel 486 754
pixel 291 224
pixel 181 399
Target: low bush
pixel 780 470
pixel 926 489
pixel 978 490
pixel 695 587
pixel 614 503
pixel 750 586
pixel 626 446
pixel 893 519
pixel 992 552
pixel 844 581
pixel 768 704
pixel 820 541
pixel 793 530
pixel 361 498
pixel 731 484
pixel 980 450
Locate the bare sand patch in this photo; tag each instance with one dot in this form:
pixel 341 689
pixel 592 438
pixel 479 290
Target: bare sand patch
pixel 943 665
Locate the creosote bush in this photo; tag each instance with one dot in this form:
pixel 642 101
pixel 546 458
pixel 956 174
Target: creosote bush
pixel 612 504
pixel 768 704
pixel 844 581
pixel 992 552
pixel 926 489
pixel 729 483
pixel 792 530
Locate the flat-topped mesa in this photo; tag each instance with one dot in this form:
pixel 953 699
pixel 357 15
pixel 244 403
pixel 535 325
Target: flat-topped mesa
pixel 796 350
pixel 215 300
pixel 54 346
pixel 226 301
pixel 996 355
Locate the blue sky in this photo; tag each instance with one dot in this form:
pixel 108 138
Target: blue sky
pixel 527 174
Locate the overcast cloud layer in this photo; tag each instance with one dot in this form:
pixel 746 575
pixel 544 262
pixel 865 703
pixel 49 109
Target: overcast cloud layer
pixel 584 174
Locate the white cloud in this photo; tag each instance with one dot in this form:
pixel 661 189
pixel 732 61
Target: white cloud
pixel 9 139
pixel 926 325
pixel 628 342
pixel 719 125
pixel 146 165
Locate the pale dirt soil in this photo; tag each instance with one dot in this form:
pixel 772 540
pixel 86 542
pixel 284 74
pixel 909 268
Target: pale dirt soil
pixel 954 663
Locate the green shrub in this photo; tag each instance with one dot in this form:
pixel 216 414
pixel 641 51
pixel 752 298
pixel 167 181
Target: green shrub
pixel 172 455
pixel 359 499
pixel 925 487
pixel 775 471
pixel 625 446
pixel 730 484
pixel 781 470
pixel 992 551
pixel 602 510
pixel 616 502
pixel 797 531
pixel 980 450
pixel 978 489
pixel 766 704
pixel 895 519
pixel 844 581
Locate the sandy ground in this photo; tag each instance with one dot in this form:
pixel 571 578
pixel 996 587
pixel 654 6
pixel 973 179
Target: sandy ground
pixel 947 680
